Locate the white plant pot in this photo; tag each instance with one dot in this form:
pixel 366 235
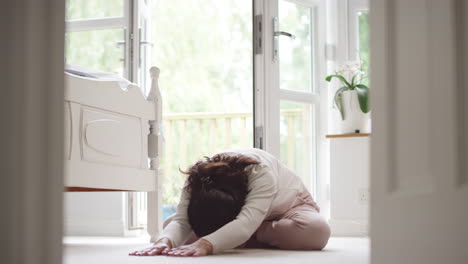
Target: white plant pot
pixel 355 119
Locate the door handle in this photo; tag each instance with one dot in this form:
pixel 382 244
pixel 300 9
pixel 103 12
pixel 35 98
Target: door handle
pixel 146 43
pixel 282 33
pixel 120 43
pixel 276 35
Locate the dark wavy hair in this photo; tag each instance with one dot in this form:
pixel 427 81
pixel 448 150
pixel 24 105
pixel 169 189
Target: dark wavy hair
pixel 218 187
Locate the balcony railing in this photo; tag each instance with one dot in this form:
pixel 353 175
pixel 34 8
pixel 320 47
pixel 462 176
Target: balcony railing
pixel 204 134
pixel 190 136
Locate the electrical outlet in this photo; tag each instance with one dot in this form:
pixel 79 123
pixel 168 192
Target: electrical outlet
pixel 363 195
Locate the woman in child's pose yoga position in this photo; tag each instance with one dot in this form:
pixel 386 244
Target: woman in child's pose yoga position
pixel 241 198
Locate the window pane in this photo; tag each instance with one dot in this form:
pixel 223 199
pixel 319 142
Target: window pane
pixel 363 22
pixel 96 49
pixel 204 50
pixel 295 55
pixel 297 144
pixel 80 9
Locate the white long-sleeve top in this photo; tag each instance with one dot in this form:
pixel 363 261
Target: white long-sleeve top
pixel 273 189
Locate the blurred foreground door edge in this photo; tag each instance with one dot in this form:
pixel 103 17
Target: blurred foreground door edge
pixel 31 134
pixel 419 177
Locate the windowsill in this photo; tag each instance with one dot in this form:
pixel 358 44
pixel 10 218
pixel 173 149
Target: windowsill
pixel 348 135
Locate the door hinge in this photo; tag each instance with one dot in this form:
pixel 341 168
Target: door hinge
pixel 258 31
pixel 258 143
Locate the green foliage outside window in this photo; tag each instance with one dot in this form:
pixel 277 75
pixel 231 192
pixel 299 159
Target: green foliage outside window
pixel 80 9
pixel 363 22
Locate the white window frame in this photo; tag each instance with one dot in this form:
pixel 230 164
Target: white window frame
pixel 342 40
pixel 355 6
pixel 133 13
pixel 124 22
pixel 345 18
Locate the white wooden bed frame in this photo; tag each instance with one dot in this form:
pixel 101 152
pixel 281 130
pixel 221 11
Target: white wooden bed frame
pixel 113 139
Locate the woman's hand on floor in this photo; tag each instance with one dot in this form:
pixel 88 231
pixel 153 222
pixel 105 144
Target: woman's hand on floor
pixel 199 248
pixel 158 247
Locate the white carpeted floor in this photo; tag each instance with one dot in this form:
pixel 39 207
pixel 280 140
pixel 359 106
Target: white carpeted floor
pixel 103 250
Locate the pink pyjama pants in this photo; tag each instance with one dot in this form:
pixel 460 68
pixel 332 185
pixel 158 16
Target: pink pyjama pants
pixel 300 228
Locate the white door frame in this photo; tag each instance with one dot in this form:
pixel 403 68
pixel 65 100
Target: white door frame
pixel 141 37
pixel 140 205
pixel 268 93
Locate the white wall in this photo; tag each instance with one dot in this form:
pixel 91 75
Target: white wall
pixel 349 157
pixel 349 186
pixel 95 214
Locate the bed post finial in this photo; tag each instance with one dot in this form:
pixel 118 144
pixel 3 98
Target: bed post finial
pixel 154 90
pixel 154 72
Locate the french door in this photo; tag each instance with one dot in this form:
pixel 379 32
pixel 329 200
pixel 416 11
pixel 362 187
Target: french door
pixel 113 36
pixel 289 79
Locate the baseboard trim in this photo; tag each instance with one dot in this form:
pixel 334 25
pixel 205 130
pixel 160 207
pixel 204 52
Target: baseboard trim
pixel 347 227
pixel 94 228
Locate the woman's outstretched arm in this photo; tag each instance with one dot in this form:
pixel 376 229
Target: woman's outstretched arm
pixel 174 234
pixel 262 188
pixel 179 229
pixel 257 205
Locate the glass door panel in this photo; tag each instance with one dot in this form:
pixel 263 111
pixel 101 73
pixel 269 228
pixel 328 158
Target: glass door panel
pixel 296 54
pixel 297 141
pixel 82 9
pixel 204 50
pixel 96 49
pixel 298 94
pixel 363 42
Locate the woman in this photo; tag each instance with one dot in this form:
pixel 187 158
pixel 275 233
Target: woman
pixel 241 198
